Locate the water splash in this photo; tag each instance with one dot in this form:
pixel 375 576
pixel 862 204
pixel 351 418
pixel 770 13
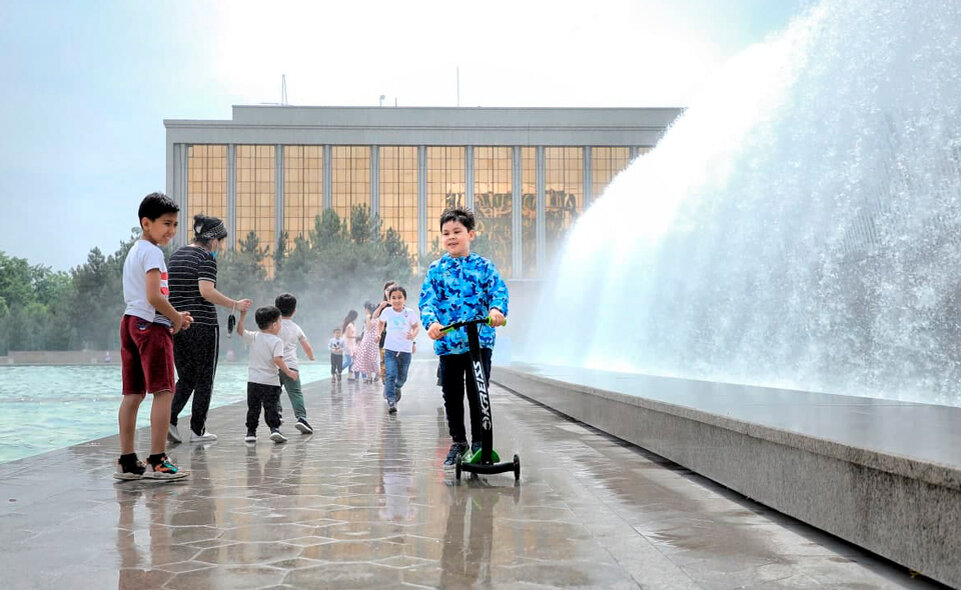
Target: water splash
pixel 798 226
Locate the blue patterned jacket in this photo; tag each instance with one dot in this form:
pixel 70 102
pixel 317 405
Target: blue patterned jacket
pixel 457 290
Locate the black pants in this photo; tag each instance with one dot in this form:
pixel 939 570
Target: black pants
pixel 336 364
pixel 456 373
pixel 195 356
pixel 266 397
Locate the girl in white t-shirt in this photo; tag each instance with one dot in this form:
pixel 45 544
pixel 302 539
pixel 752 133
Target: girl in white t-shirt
pixel 402 325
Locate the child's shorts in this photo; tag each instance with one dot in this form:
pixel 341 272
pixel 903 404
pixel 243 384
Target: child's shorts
pixel 146 356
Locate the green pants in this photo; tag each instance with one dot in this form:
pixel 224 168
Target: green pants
pixel 295 394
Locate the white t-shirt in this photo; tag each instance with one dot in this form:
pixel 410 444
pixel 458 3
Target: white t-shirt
pixel 263 348
pixel 291 334
pixel 143 257
pixel 399 325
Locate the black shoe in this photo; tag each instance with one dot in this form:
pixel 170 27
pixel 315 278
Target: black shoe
pixel 474 447
pixel 398 393
pixel 391 408
pixel 456 450
pixel 303 426
pixel 251 436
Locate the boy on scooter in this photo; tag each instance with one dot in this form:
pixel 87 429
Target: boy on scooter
pixel 461 286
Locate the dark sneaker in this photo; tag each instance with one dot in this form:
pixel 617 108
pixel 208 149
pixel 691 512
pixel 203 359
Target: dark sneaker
pixel 129 472
pixel 277 437
pixel 398 393
pixel 391 407
pixel 455 450
pixel 251 436
pixel 173 435
pixel 474 448
pixel 303 426
pixel 165 470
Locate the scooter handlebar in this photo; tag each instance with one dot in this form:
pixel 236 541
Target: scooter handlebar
pixel 455 325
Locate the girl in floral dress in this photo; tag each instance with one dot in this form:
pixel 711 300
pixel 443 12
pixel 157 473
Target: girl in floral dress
pixel 367 355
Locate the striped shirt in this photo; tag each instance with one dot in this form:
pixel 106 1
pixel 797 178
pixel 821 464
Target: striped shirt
pixel 187 266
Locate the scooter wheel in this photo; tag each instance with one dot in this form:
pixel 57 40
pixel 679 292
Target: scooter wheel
pixel 517 468
pixel 457 470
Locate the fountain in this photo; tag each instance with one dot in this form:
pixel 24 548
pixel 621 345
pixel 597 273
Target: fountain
pixel 797 227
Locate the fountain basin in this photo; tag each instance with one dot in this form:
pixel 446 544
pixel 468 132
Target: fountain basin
pixel 882 474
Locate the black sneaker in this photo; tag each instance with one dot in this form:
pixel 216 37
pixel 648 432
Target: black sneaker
pixel 251 437
pixel 398 393
pixel 303 426
pixel 474 447
pixel 456 449
pixel 391 407
pixel 277 437
pixel 165 469
pixel 129 472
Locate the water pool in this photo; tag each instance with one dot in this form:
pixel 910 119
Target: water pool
pixel 43 408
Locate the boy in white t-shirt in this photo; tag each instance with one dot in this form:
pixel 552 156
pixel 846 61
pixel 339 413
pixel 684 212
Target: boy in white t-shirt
pixel 263 381
pixel 402 324
pixel 146 343
pixel 292 335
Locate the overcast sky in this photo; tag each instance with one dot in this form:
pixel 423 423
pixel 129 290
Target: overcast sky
pixel 86 86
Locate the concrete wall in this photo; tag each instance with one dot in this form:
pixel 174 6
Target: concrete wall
pixel 903 505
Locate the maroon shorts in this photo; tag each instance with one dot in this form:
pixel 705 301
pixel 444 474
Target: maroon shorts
pixel 146 356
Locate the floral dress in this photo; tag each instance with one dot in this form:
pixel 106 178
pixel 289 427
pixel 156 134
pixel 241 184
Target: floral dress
pixel 367 355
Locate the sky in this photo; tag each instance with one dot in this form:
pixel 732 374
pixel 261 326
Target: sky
pixel 86 86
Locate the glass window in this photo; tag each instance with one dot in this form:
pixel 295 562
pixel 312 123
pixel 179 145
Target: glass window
pixel 206 183
pixel 350 178
pixel 398 193
pixel 303 189
pixel 255 196
pixel 529 210
pixel 563 193
pixel 445 186
pixel 493 203
pixel 606 163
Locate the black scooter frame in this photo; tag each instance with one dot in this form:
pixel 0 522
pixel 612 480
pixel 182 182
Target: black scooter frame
pixel 479 390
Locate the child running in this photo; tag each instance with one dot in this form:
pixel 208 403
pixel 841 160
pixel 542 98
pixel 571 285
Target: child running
pixel 146 342
pixel 402 325
pixel 366 357
pixel 336 347
pixel 461 286
pixel 263 382
pixel 292 335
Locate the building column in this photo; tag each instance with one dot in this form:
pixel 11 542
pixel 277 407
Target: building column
pixel 232 196
pixel 517 209
pixel 375 182
pixel 179 195
pixel 278 196
pixel 469 177
pixel 588 176
pixel 421 201
pixel 541 234
pixel 328 197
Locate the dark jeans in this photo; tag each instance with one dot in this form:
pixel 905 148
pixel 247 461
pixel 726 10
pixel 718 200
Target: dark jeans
pixel 195 356
pixel 456 373
pixel 266 397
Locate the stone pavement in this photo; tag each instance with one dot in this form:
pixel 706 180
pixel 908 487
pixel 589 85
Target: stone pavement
pixel 364 503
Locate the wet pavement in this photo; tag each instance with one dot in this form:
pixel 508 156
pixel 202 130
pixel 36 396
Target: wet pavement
pixel 364 503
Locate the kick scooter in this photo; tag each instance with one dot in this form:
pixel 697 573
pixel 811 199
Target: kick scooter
pixel 486 459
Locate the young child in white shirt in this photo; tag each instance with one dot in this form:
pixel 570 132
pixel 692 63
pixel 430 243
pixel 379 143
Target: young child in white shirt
pixel 402 324
pixel 263 380
pixel 292 336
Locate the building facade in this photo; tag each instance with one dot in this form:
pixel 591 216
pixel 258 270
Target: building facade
pixel 526 172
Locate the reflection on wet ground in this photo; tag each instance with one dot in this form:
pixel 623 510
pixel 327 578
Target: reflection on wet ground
pixel 364 503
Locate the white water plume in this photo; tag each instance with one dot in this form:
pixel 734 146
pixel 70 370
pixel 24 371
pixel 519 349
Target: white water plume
pixel 798 226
